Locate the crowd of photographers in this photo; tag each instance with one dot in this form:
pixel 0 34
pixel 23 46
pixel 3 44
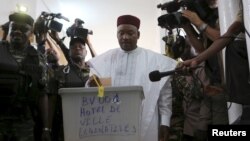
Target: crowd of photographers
pixel 30 77
pixel 200 100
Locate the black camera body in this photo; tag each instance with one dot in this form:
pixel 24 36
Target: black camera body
pixel 46 21
pixel 77 30
pixel 174 18
pixel 54 25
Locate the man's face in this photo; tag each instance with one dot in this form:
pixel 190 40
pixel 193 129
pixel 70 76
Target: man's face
pixel 78 51
pixel 127 36
pixel 19 34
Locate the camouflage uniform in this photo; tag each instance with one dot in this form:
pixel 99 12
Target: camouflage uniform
pixel 23 79
pixel 69 76
pixel 190 107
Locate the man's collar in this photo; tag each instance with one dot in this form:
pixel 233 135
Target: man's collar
pixel 131 51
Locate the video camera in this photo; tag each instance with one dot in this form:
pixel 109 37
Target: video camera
pixel 174 19
pixel 77 30
pixel 174 44
pixel 46 22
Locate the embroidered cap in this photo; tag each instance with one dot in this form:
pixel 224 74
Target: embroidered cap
pixel 128 19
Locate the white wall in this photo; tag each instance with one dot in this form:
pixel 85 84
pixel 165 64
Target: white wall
pixel 48 6
pixel 9 6
pixel 100 16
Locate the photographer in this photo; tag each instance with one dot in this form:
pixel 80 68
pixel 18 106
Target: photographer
pixel 190 104
pixel 237 80
pixel 208 33
pixel 74 74
pixel 203 15
pixel 77 30
pixel 50 51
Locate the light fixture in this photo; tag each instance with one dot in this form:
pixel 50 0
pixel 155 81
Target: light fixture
pixel 21 8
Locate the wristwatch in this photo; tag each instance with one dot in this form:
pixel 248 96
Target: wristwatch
pixel 202 27
pixel 46 129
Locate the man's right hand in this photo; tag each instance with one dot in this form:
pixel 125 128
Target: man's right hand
pixel 188 64
pixel 54 35
pixel 92 82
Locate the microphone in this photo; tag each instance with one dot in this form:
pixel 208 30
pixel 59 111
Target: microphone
pixel 156 75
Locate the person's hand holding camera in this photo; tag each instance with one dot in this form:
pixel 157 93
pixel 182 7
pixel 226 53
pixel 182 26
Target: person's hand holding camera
pixel 192 17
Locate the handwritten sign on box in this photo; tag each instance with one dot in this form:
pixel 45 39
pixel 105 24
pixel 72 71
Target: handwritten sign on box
pixel 116 116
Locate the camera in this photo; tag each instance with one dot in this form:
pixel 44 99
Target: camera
pixel 77 30
pixel 174 44
pixel 174 18
pixel 46 22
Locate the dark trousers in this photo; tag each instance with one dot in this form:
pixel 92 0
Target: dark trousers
pixel 237 73
pixel 237 77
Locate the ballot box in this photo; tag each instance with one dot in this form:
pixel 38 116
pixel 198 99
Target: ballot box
pixel 114 117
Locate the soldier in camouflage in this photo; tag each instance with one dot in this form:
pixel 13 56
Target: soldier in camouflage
pixel 22 83
pixel 191 111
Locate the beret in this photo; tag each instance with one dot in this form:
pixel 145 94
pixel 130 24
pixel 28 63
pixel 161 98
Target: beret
pixel 76 39
pixel 21 18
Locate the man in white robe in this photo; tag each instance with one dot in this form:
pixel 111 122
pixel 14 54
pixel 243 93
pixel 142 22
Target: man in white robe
pixel 130 65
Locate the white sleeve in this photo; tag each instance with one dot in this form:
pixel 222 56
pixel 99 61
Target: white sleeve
pixel 165 103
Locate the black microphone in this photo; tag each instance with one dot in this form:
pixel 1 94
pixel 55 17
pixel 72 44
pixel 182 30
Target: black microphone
pixel 156 75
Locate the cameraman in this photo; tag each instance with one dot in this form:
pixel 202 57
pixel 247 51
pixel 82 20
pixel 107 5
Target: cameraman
pixel 75 74
pixel 208 33
pixel 238 86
